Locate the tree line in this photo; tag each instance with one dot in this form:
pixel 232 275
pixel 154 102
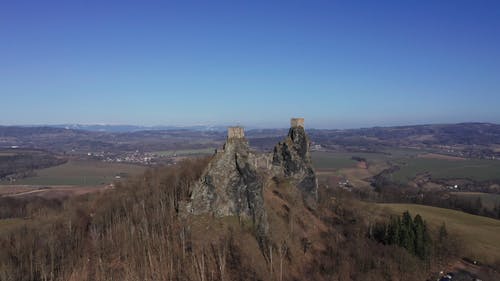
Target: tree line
pixel 410 234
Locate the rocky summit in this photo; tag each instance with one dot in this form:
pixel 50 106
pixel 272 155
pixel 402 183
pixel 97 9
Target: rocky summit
pixel 230 185
pixel 292 159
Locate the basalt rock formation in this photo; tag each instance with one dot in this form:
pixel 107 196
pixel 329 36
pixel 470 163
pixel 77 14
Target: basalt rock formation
pixel 292 160
pixel 230 185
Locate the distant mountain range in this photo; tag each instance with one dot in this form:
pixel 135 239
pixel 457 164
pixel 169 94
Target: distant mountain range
pixel 129 128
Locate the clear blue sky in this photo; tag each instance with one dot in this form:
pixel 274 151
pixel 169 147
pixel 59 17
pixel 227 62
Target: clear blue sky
pixel 257 63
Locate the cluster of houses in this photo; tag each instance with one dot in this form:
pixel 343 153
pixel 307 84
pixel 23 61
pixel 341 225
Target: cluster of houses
pixel 135 157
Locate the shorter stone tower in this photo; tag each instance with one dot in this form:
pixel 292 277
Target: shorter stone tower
pixel 230 185
pixel 297 122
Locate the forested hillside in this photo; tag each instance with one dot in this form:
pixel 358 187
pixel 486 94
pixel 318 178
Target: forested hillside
pixel 140 231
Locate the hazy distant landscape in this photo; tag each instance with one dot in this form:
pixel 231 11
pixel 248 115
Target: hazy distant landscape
pixel 416 155
pixel 448 174
pixel 447 158
pixel 249 140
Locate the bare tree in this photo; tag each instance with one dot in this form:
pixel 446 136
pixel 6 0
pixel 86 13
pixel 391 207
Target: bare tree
pixel 282 251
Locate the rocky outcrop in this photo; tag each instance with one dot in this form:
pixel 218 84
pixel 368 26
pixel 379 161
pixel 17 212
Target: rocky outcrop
pixel 233 182
pixel 230 185
pixel 292 159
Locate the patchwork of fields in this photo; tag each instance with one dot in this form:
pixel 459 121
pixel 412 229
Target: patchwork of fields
pixel 81 173
pixel 343 164
pixel 475 169
pixel 411 164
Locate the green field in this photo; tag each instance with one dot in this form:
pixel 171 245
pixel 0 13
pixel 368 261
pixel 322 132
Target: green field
pixel 401 153
pixel 480 236
pixel 340 160
pixel 476 169
pixel 341 164
pixel 331 160
pixel 81 173
pixel 489 200
pixel 185 152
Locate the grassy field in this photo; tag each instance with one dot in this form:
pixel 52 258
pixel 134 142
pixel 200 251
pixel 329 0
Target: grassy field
pixel 339 160
pixel 480 236
pixel 412 162
pixel 445 169
pixel 489 200
pixel 401 153
pixel 341 164
pixel 185 152
pixel 331 160
pixel 81 173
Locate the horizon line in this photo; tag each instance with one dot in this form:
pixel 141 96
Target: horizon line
pixel 250 127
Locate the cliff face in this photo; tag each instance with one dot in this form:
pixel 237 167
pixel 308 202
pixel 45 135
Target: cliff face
pixel 292 160
pixel 230 186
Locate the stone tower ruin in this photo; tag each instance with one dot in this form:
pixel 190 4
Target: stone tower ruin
pixel 297 122
pixel 230 185
pixel 233 182
pixel 235 132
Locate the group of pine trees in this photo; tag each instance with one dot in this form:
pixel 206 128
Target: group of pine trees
pixel 410 234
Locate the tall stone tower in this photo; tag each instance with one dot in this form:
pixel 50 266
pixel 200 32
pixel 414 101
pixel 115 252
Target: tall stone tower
pixel 292 159
pixel 236 132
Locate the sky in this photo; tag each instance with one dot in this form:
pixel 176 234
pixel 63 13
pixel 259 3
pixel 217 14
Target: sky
pixel 338 64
